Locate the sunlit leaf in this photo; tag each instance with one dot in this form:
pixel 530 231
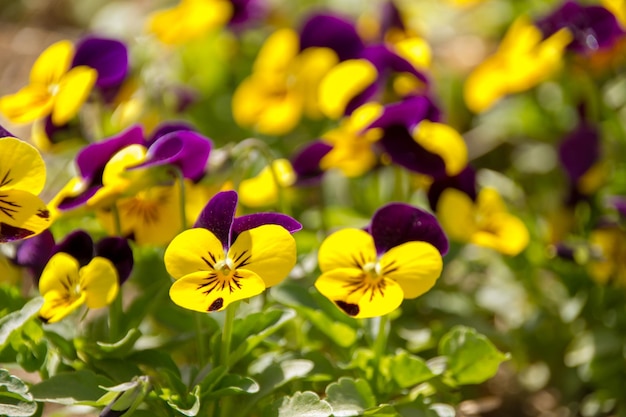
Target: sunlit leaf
pixel 349 397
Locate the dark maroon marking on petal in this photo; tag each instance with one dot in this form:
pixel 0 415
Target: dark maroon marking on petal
pixel 6 179
pixel 349 309
pixel 398 223
pixel 217 216
pixel 119 252
pixel 10 233
pixel 44 214
pixel 9 208
pixel 216 305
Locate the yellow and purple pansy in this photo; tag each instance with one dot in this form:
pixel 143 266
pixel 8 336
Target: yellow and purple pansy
pixel 367 273
pixel 22 177
pixel 77 271
pixel 224 258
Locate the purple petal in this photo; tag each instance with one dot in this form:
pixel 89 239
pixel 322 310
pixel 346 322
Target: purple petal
pixel 217 216
pixel 79 245
pixel 593 27
pixel 408 113
pixel 250 221
pixel 306 163
pixel 69 203
pixel 119 252
pixel 398 223
pixel 363 97
pixel 465 181
pixel 107 56
pixel 391 18
pixel 406 152
pixel 92 158
pixel 5 133
pixel 187 150
pixel 330 31
pixel 35 252
pixel 247 11
pixel 579 151
pixel 168 127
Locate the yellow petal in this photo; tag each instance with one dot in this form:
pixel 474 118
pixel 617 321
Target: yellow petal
pixel 191 251
pixel 606 242
pixel 52 63
pixel 310 67
pixel 269 251
pixel 444 141
pixel 99 282
pixel 503 232
pixel 22 215
pixel 189 20
pixel 21 166
pixel 489 202
pixel 30 103
pixel 346 248
pixel 60 275
pixel 57 306
pixel 278 51
pixel 344 82
pixel 457 215
pixel 485 85
pixel 262 190
pixel 197 291
pixel 357 296
pixel 415 50
pixel 74 89
pixel 415 266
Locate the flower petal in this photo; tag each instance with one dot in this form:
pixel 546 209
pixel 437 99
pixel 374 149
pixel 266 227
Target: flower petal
pixel 35 252
pixel 250 221
pixel 78 244
pixel 99 281
pixel 444 141
pixel 344 82
pixel 465 181
pixel 306 162
pixel 263 190
pixel 109 57
pixel 196 291
pixel 344 287
pixel 506 233
pixel 57 306
pixel 346 248
pixel 269 251
pixel 279 49
pixel 398 223
pixel 21 166
pixel 191 251
pixel 52 63
pixel 456 212
pixel 27 105
pixel 74 89
pixel 334 32
pixel 21 215
pixel 60 275
pixel 217 216
pixel 118 251
pixel 415 266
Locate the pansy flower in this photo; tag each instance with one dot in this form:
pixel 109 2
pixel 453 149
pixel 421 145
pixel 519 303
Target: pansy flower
pixel 608 241
pixel 22 177
pixel 264 188
pixel 55 88
pixel 117 165
pixel 79 272
pixel 283 84
pixel 523 60
pixel 367 273
pixel 482 220
pixel 593 27
pixel 224 258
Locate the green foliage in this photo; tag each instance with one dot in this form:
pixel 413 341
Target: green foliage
pixel 15 398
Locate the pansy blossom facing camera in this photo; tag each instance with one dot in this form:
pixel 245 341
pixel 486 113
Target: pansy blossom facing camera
pixel 367 273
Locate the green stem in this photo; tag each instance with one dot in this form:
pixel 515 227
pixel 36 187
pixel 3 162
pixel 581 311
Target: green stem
pixel 227 334
pixel 116 309
pixel 117 221
pixel 200 338
pixel 380 344
pixel 182 197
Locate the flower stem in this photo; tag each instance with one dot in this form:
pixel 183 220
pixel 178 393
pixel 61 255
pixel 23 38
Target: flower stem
pixel 178 173
pixel 115 308
pixel 380 343
pixel 227 334
pixel 200 337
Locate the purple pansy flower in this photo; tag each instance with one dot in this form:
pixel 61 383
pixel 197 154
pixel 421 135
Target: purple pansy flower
pixel 306 163
pixel 35 253
pixel 173 144
pixel 593 27
pixel 464 182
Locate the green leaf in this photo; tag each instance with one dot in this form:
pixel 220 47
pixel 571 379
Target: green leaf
pixel 15 400
pixel 80 387
pixel 472 358
pixel 382 411
pixel 349 397
pixel 122 346
pixel 16 320
pixel 193 409
pixel 409 370
pixel 232 384
pixel 301 404
pixel 255 328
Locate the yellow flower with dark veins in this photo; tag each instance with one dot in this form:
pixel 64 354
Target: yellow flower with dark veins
pixel 65 285
pixel 485 222
pixel 367 273
pixel 54 88
pixel 22 176
pixel 226 258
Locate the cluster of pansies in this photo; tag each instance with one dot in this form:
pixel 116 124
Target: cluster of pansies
pixel 327 156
